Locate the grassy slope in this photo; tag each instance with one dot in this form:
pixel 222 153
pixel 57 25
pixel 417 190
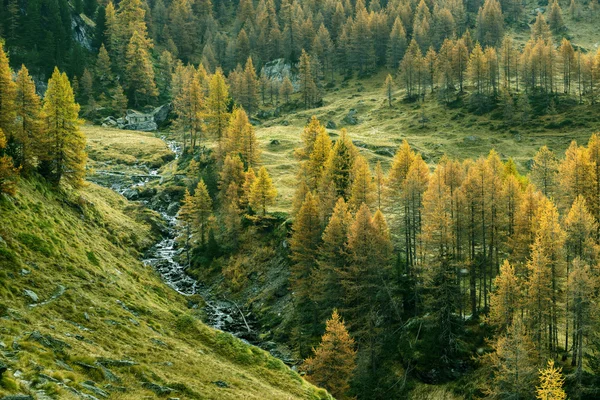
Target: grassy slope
pixel 89 242
pixel 381 129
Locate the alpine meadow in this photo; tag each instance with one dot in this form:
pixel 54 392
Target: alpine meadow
pixel 300 199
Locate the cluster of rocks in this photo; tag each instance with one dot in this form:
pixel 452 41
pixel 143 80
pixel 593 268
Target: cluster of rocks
pixel 140 121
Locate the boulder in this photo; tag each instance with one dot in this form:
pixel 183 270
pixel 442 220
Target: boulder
pixel 221 384
pixel 161 114
pixel 156 388
pixel 31 295
pixel 351 118
pixel 275 142
pixel 331 125
pixel 109 122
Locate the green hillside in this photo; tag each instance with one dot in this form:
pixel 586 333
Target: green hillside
pixel 81 315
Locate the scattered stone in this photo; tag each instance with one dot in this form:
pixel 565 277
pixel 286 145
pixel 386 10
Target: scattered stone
pixel 92 388
pixel 134 321
pixel 108 362
pixel 108 374
pixel 359 143
pixel 285 122
pixel 156 388
pixel 63 365
pixel 86 316
pixel 17 397
pixel 275 142
pixel 48 341
pixel 351 118
pixel 331 125
pixel 159 342
pixel 25 272
pixel 386 151
pixel 31 295
pixel 229 319
pixel 113 388
pixel 221 384
pixel 48 378
pixel 472 139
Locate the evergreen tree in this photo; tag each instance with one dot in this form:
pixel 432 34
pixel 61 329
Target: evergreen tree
pixel 263 192
pixel 505 300
pixel 217 106
pixel 28 128
pixel 7 95
pixel 307 83
pixel 64 143
pixel 334 361
pixel 363 190
pixel 490 24
pixel 396 45
pixel 286 89
pixel 551 383
pixel 555 19
pixel 139 71
pixel 339 166
pixel 332 259
pixel 513 364
pixel 8 173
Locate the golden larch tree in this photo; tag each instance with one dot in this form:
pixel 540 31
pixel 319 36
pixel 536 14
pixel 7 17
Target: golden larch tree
pixel 64 143
pixel 334 361
pixel 263 192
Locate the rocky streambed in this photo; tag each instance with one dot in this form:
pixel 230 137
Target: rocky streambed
pixel 134 182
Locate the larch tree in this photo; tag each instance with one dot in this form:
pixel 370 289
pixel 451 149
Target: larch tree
pixel 263 192
pixel 397 44
pixel 202 212
pixel 7 95
pixel 308 86
pixel 217 114
pixel 139 71
pixel 28 128
pixel 551 383
pixel 314 167
pixel 241 138
pixel 64 143
pixel 363 190
pixel 8 173
pixel 555 19
pixel 513 364
pixel 304 244
pixel 505 300
pixel 248 95
pixel 490 24
pixel 332 259
pixel 185 220
pixel 544 171
pixel 334 361
pixel 583 300
pixel 286 89
pixel 339 167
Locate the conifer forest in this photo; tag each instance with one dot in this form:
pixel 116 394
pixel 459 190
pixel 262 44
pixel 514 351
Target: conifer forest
pixel 300 199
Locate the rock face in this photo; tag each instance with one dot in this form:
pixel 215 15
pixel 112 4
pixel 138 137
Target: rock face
pixel 279 69
pixel 82 32
pixel 351 118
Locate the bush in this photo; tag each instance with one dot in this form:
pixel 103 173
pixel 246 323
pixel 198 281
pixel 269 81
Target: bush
pixel 185 323
pixel 35 243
